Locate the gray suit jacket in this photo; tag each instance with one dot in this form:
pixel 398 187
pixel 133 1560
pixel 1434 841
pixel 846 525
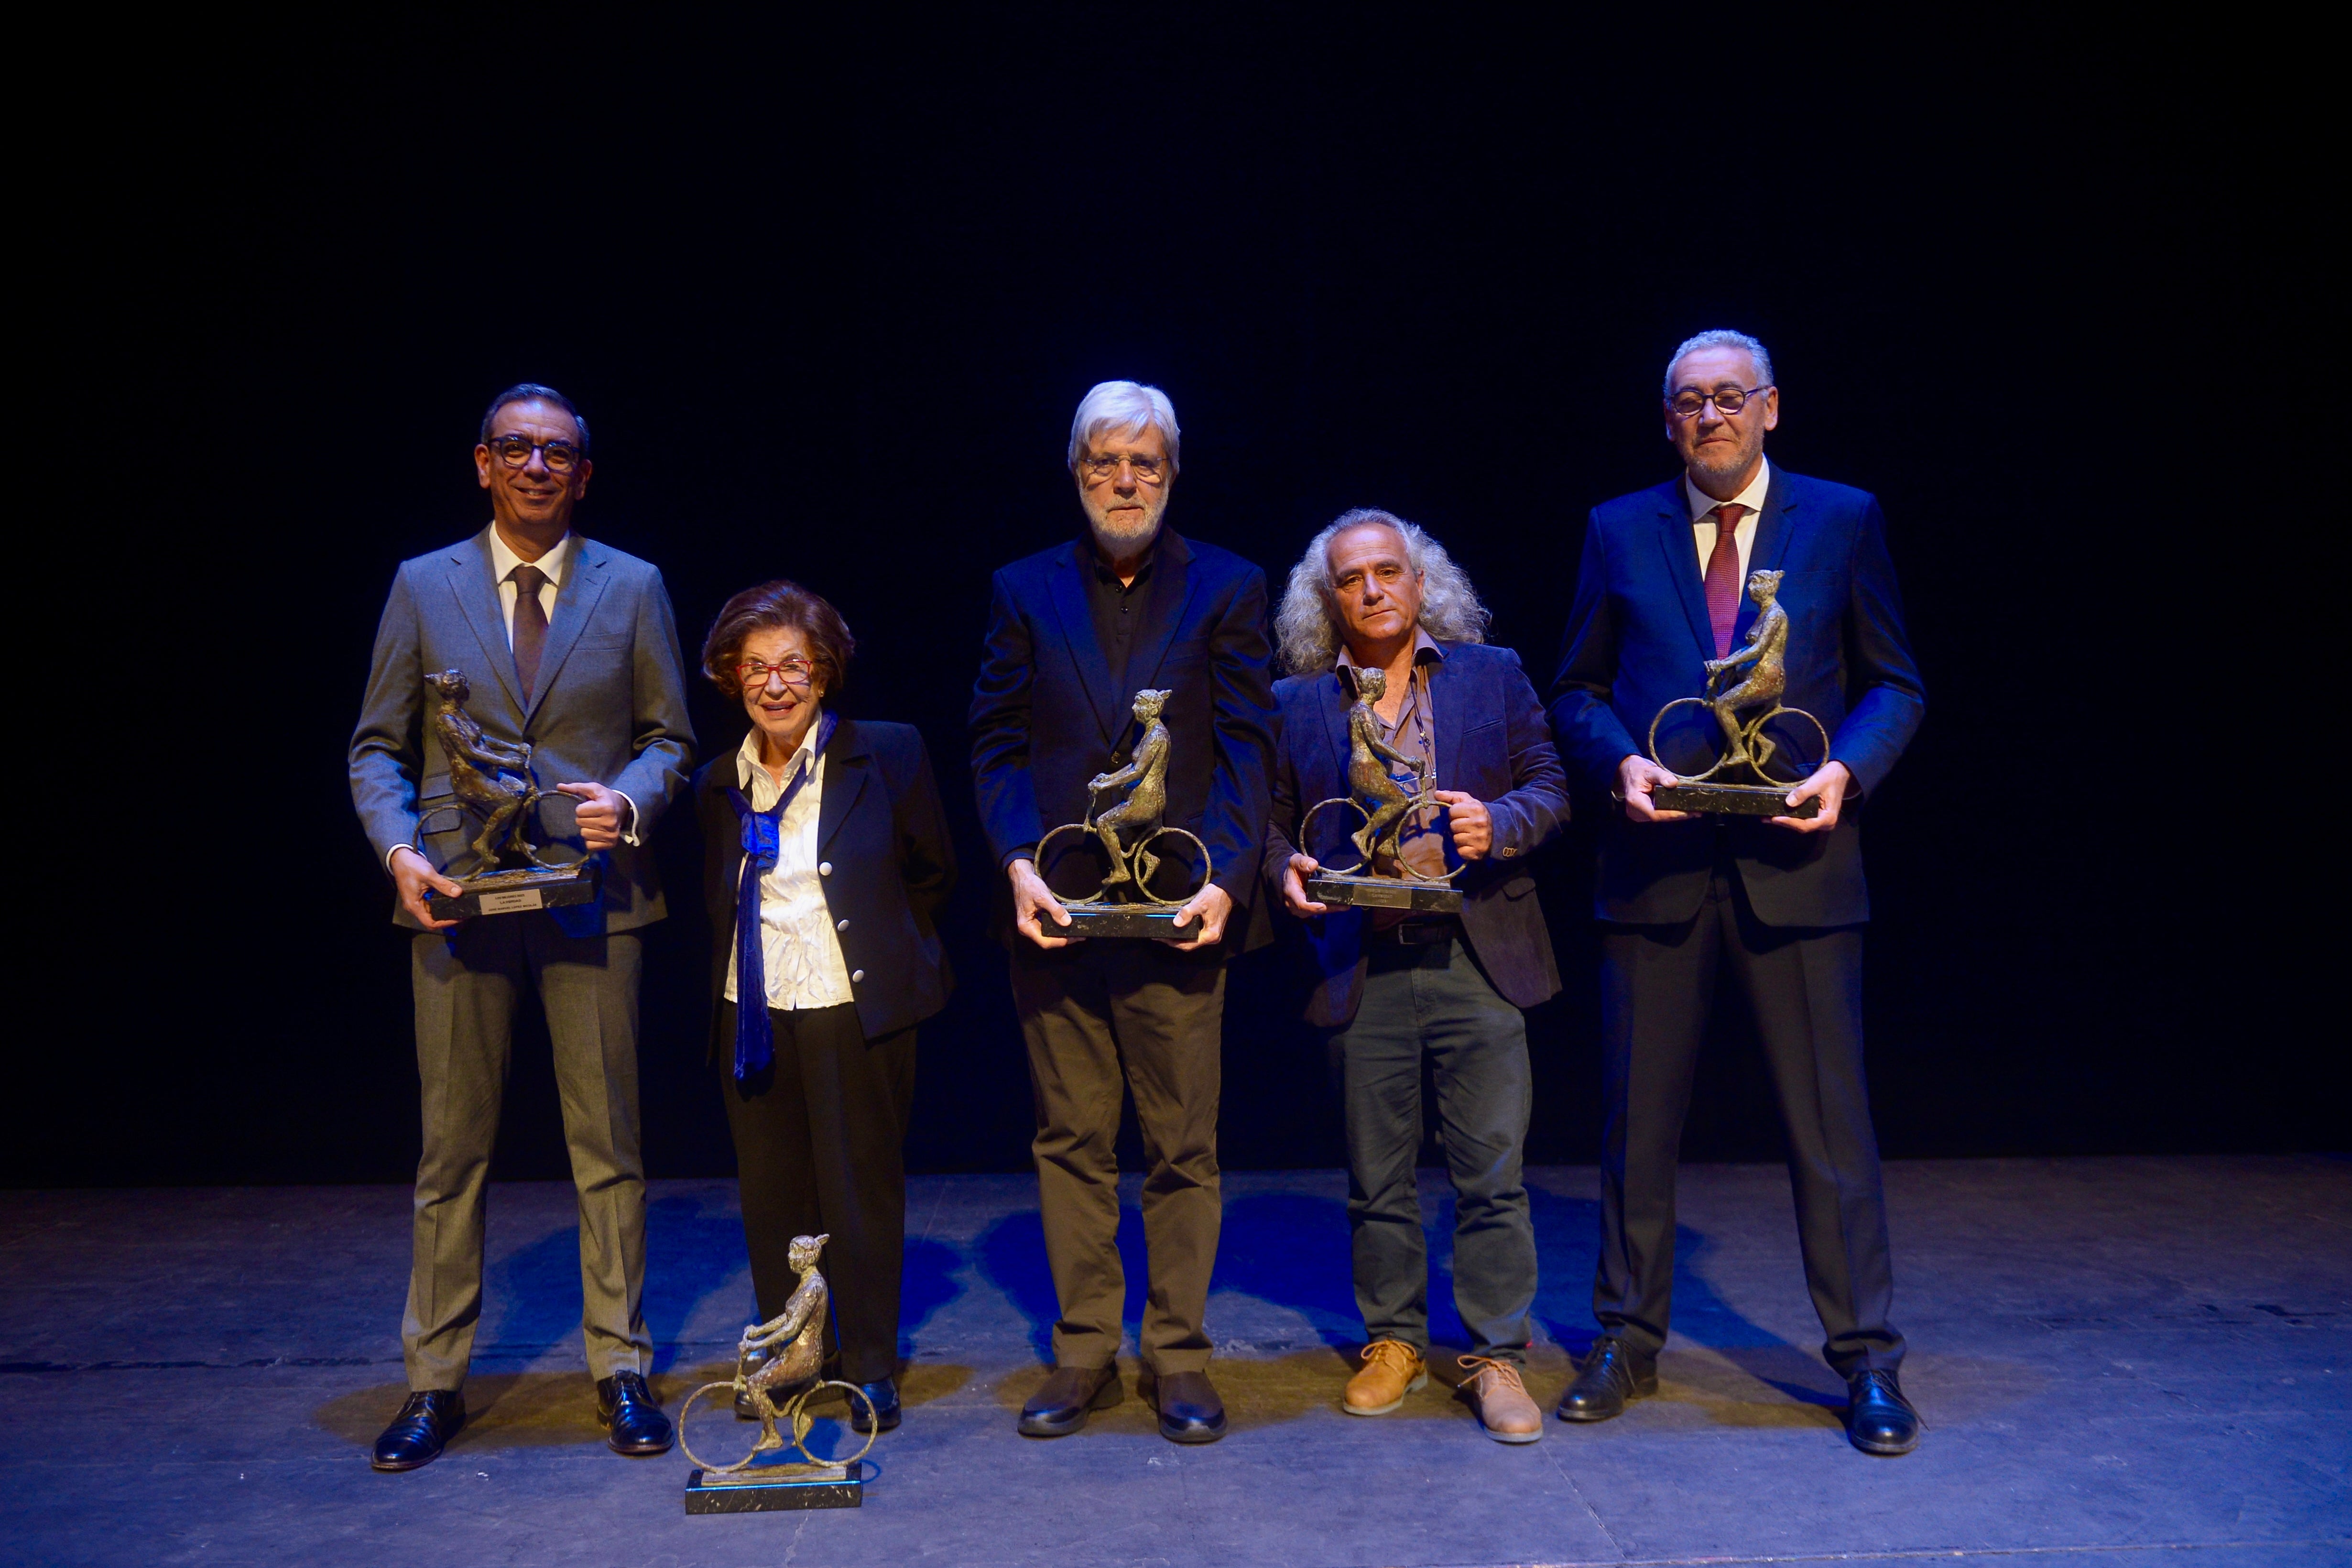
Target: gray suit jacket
pixel 610 708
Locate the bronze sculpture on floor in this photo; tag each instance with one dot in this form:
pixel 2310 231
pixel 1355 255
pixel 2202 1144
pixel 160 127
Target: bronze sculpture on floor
pixel 778 1368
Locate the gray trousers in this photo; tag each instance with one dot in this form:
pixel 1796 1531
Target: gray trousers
pixel 1102 1017
pixel 1431 998
pixel 465 983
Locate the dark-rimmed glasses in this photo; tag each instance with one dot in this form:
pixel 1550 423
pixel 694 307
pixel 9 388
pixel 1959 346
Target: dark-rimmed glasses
pixel 1728 399
pixel 754 675
pixel 514 451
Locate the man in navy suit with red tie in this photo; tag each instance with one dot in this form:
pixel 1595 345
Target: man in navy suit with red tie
pixel 1781 899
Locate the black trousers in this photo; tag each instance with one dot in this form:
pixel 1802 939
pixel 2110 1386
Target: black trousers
pixel 1805 986
pixel 820 1149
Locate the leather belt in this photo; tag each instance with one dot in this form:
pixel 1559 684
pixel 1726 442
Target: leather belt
pixel 1421 933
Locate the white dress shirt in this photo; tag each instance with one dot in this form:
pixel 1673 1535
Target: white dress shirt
pixel 556 563
pixel 798 944
pixel 1703 505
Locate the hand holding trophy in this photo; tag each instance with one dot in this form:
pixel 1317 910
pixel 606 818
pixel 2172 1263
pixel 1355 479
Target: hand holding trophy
pixel 494 785
pixel 1135 845
pixel 1388 808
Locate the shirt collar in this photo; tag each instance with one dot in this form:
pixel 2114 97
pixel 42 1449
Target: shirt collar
pixel 1425 647
pixel 556 563
pixel 748 765
pixel 1752 497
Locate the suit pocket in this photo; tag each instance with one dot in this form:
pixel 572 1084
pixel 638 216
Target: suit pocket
pixel 1518 887
pixel 437 810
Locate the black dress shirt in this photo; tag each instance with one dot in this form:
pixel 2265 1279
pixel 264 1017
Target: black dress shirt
pixel 1116 606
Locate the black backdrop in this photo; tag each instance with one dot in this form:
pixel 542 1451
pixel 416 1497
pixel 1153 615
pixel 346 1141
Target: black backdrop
pixel 829 300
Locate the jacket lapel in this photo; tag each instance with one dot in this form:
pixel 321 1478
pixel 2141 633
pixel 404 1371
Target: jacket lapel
pixel 1771 542
pixel 574 603
pixel 1677 542
pixel 846 762
pixel 1333 699
pixel 1164 613
pixel 1079 632
pixel 478 600
pixel 1449 704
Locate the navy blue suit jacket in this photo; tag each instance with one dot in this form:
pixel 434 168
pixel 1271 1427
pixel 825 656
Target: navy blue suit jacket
pixel 1492 742
pixel 1638 637
pixel 879 825
pixel 1045 716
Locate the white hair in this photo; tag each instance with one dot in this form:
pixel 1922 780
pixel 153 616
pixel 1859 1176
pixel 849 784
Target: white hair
pixel 1123 406
pixel 1721 338
pixel 1307 627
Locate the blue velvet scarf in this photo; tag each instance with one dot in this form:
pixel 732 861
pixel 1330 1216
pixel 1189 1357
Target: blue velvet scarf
pixel 755 1038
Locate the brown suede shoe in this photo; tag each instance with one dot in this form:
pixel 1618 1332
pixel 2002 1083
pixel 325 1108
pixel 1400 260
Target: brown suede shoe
pixel 1393 1369
pixel 1501 1402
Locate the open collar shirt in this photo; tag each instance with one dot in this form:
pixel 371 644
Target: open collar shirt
pixel 798 943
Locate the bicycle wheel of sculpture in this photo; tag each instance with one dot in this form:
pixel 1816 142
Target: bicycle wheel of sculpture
pixel 685 1409
pixel 1677 702
pixel 1044 860
pixel 1200 849
pixel 803 1422
pixel 1754 729
pixel 1307 830
pixel 1413 876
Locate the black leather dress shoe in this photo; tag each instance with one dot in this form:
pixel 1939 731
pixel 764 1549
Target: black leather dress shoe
pixel 1190 1410
pixel 1611 1377
pixel 631 1418
pixel 1070 1393
pixel 430 1419
pixel 1878 1419
pixel 885 1395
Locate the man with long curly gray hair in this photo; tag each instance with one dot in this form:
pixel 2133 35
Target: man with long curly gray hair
pixel 1374 593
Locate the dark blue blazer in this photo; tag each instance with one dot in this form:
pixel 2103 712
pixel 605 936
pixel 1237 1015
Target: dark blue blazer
pixel 1638 637
pixel 879 825
pixel 1045 716
pixel 1492 742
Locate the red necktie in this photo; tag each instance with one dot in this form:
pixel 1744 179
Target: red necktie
pixel 1723 577
pixel 530 623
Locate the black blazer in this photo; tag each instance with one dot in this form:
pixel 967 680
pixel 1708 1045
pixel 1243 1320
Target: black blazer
pixel 1492 742
pixel 1045 718
pixel 1638 637
pixel 878 823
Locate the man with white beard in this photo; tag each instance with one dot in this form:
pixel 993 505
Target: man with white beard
pixel 1073 633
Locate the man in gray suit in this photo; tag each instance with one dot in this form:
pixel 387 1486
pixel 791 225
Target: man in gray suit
pixel 568 645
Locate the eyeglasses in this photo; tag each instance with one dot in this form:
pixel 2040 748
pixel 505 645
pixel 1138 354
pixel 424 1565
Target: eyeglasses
pixel 1730 399
pixel 795 672
pixel 514 451
pixel 1151 471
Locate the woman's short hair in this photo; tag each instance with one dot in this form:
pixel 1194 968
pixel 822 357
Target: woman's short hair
pixel 1124 405
pixel 770 605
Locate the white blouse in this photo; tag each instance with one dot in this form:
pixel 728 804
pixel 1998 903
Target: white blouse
pixel 798 946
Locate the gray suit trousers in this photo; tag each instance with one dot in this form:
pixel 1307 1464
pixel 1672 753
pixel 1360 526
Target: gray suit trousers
pixel 465 982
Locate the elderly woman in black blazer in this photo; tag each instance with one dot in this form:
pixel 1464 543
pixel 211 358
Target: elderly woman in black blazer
pixel 833 924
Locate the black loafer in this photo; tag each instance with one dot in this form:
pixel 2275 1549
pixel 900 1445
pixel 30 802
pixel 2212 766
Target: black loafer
pixel 885 1397
pixel 1878 1419
pixel 1069 1395
pixel 1611 1377
pixel 633 1420
pixel 426 1422
pixel 1190 1410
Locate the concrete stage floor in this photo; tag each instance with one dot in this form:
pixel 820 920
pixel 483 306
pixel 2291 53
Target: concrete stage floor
pixel 2125 1361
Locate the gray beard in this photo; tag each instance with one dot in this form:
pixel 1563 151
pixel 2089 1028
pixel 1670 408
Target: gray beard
pixel 1126 542
pixel 1728 470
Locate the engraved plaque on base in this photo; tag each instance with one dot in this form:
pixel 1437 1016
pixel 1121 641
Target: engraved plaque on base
pixel 773 1487
pixel 1122 920
pixel 1732 800
pixel 514 892
pixel 1384 893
